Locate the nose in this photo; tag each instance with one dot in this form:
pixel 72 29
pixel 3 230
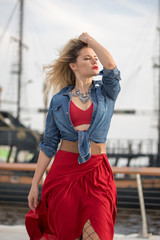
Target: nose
pixel 94 61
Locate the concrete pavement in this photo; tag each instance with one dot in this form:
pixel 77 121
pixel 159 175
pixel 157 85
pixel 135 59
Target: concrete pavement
pixel 18 232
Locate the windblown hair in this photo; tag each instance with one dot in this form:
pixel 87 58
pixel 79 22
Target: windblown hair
pixel 59 74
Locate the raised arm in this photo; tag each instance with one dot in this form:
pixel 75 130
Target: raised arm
pixel 110 73
pixel 103 54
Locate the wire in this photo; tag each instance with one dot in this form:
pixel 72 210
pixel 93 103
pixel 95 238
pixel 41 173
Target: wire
pixel 140 39
pixel 8 22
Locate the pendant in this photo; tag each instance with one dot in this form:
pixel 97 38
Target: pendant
pixel 84 98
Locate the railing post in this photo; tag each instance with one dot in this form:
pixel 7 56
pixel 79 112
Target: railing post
pixel 142 206
pixel 44 177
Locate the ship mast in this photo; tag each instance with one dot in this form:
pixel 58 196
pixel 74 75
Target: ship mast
pixel 158 65
pixel 20 55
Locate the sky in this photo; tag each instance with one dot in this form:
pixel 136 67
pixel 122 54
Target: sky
pixel 126 28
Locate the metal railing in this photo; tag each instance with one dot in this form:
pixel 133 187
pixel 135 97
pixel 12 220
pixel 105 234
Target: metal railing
pixel 141 176
pixel 132 146
pixel 134 172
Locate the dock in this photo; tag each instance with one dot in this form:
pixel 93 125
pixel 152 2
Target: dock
pixel 18 232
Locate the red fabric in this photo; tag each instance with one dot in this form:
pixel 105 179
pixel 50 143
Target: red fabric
pixel 79 116
pixel 73 193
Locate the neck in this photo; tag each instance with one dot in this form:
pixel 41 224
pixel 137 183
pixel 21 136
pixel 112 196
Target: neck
pixel 83 84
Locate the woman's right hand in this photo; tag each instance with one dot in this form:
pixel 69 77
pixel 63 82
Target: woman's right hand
pixel 33 197
pixel 84 37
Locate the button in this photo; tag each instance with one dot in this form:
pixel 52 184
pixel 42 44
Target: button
pixel 116 71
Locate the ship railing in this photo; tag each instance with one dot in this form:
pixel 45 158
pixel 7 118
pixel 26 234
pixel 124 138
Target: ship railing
pixel 141 175
pixel 143 184
pixel 132 146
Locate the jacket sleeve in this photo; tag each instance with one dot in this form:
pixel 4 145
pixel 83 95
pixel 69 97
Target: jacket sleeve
pixel 110 82
pixel 51 139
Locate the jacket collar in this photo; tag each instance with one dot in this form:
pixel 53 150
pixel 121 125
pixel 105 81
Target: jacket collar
pixel 67 92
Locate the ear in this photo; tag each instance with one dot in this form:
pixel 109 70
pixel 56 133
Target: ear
pixel 72 66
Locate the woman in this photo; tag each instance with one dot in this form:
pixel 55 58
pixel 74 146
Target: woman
pixel 78 199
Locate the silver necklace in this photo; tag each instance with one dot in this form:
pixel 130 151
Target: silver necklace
pixel 83 97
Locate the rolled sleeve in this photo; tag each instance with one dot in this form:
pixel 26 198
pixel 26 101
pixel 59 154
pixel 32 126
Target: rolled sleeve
pixel 110 80
pixel 51 139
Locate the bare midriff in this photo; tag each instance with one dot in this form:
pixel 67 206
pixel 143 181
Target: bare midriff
pixel 69 146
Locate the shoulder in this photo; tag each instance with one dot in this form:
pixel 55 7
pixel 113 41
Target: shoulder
pixel 58 98
pixel 63 90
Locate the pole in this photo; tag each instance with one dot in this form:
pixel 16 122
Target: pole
pixel 142 206
pixel 158 28
pixel 20 57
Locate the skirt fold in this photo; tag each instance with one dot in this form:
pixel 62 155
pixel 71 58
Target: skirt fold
pixel 71 194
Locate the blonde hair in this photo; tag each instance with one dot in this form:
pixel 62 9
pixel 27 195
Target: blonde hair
pixel 59 74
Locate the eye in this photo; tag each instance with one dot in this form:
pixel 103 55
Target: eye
pixel 89 58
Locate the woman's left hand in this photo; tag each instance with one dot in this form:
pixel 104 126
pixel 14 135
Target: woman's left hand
pixel 84 37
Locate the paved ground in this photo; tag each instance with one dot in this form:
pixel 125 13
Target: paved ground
pixel 18 232
pixel 135 237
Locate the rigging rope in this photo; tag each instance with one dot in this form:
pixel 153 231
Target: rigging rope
pixel 8 22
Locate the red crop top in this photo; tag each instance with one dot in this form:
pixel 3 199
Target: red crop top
pixel 79 116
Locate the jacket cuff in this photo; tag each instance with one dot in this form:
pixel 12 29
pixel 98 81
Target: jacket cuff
pixel 46 149
pixel 114 72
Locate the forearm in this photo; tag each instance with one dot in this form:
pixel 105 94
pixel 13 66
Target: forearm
pixel 104 56
pixel 42 164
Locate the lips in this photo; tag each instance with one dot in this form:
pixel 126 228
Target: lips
pixel 95 67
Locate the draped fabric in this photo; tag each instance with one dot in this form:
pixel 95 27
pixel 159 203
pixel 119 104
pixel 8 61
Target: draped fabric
pixel 73 193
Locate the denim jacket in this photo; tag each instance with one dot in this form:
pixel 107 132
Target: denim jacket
pixel 58 123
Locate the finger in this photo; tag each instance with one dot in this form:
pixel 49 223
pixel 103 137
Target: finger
pixel 31 204
pixel 80 36
pixel 83 38
pixel 35 203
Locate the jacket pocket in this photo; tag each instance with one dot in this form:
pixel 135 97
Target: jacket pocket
pixel 58 113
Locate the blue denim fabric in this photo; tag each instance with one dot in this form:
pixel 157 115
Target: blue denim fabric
pixel 58 123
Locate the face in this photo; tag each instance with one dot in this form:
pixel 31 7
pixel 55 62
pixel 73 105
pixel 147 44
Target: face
pixel 86 64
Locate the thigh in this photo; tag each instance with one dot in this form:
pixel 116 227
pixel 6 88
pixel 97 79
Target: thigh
pixel 89 232
pixel 101 225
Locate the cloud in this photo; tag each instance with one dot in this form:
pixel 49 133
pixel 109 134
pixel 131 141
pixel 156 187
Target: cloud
pixel 124 27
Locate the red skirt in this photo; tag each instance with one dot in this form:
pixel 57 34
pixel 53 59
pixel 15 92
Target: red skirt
pixel 71 194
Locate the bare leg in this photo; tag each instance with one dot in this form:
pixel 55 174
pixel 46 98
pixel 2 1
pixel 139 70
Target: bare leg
pixel 89 233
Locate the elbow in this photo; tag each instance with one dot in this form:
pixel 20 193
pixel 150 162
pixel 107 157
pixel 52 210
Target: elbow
pixel 111 65
pixel 113 93
pixel 117 92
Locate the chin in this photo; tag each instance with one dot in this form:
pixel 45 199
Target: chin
pixel 92 75
pixel 95 73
